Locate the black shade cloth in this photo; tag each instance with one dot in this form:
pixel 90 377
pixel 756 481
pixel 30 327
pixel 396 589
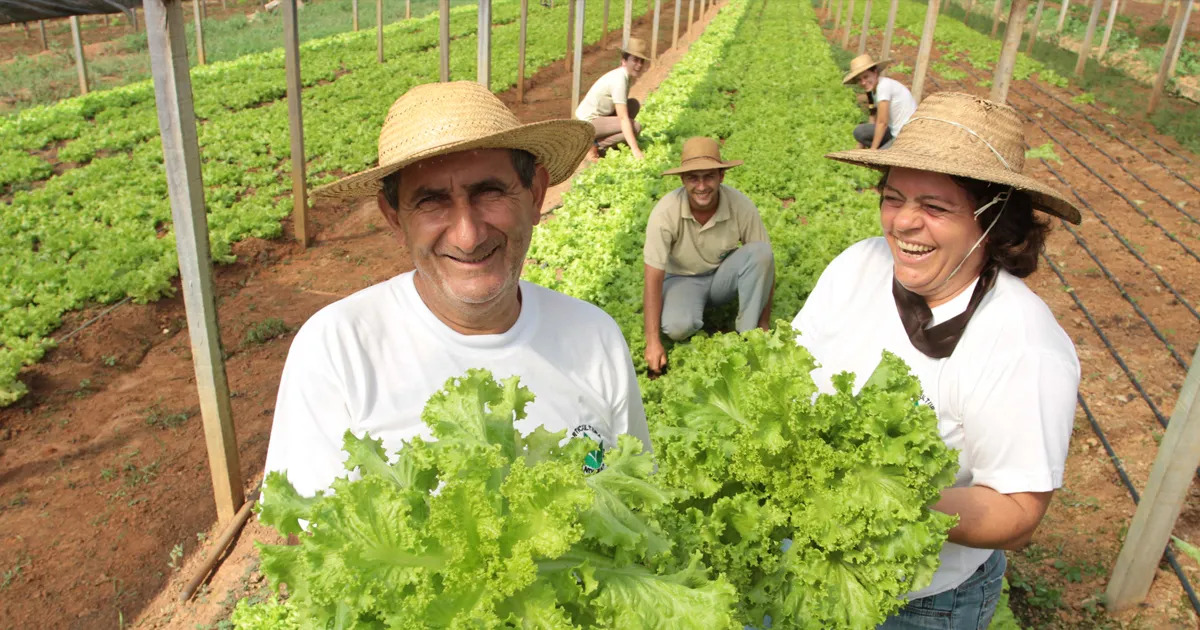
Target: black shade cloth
pixel 31 10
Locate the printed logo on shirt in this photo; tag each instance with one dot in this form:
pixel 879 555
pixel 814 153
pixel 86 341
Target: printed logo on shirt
pixel 928 403
pixel 594 460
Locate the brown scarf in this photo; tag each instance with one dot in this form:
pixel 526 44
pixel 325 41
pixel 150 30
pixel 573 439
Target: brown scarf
pixel 938 342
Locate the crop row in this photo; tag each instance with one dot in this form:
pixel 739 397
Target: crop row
pixel 101 231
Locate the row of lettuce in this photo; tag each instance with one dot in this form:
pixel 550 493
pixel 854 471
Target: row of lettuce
pixel 768 501
pixel 101 231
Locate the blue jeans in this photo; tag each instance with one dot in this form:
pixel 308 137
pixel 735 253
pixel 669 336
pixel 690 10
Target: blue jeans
pixel 968 607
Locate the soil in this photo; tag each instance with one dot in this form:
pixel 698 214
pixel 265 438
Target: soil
pixel 1067 567
pixel 106 505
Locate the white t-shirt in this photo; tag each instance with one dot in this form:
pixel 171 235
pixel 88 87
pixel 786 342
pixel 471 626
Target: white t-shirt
pixel 1005 398
pixel 902 104
pixel 369 363
pixel 609 90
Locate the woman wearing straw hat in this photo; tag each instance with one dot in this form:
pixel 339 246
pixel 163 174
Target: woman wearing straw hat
pixel 942 289
pixel 607 104
pixel 892 102
pixel 461 182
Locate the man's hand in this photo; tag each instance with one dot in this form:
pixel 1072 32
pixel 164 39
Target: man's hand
pixel 637 153
pixel 656 356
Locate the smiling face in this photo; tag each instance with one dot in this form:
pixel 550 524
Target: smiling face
pixel 467 219
pixel 929 223
pixel 635 66
pixel 703 188
pixel 868 79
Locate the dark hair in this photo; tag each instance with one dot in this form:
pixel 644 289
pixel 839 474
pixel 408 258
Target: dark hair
pixel 523 163
pixel 1019 235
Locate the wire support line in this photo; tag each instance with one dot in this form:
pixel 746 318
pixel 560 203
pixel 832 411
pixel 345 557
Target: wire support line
pixel 1101 126
pixel 1137 498
pixel 92 320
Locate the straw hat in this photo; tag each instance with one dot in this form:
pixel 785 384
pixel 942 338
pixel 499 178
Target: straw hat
pixel 638 48
pixel 861 64
pixel 701 154
pixel 967 136
pixel 440 118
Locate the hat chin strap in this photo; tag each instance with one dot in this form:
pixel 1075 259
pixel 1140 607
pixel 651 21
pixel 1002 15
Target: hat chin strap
pixel 1002 197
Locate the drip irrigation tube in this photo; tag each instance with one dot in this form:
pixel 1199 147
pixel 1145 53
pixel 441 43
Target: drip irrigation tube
pixel 1108 131
pixel 1143 133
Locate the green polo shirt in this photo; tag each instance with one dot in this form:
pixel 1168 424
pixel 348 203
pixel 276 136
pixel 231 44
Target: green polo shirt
pixel 679 245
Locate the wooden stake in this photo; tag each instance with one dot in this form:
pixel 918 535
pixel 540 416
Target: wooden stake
pixel 354 10
pixel 483 53
pixel 567 58
pixel 46 42
pixel 967 12
pixel 1178 31
pixel 197 8
pixel 167 43
pixel 654 31
pixel 1187 19
pixel 1062 16
pixel 1108 27
pixel 80 63
pixel 849 25
pixel 291 55
pixel 1165 9
pixel 931 14
pixel 521 51
pixel 604 33
pixel 379 30
pixel 580 11
pixel 866 27
pixel 444 37
pixel 675 28
pixel 996 16
pixel 1037 22
pixel 133 20
pixel 1166 490
pixel 407 9
pixel 1086 48
pixel 1008 51
pixel 627 24
pixel 837 16
pixel 885 51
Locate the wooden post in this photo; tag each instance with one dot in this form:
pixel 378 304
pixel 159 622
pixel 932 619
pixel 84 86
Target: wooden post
pixel 197 7
pixel 885 51
pixel 691 9
pixel 354 10
pixel 167 42
pixel 133 18
pixel 1108 27
pixel 567 58
pixel 996 8
pixel 291 54
pixel 521 51
pixel 81 65
pixel 1166 8
pixel 837 16
pixel 580 10
pixel 918 86
pixel 1166 490
pixel 1062 16
pixel 379 30
pixel 604 32
pixel 675 27
pixel 407 9
pixel 1037 22
pixel 866 27
pixel 1008 51
pixel 849 25
pixel 483 53
pixel 1177 34
pixel 444 37
pixel 1086 48
pixel 1187 18
pixel 627 24
pixel 654 31
pixel 967 12
pixel 46 42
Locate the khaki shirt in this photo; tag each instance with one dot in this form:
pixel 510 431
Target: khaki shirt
pixel 609 90
pixel 680 246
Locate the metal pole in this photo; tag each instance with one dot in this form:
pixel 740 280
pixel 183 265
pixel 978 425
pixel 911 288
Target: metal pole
pixel 167 43
pixel 931 14
pixel 483 52
pixel 444 37
pixel 291 52
pixel 80 64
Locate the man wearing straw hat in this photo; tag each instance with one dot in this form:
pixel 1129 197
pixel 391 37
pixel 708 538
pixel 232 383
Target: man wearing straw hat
pixel 892 104
pixel 705 244
pixel 962 224
pixel 607 104
pixel 461 183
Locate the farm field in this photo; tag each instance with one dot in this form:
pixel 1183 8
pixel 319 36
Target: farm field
pixel 107 437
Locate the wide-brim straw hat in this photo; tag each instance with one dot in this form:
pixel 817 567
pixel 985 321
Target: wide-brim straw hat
pixel 638 48
pixel 967 136
pixel 861 64
pixel 701 154
pixel 439 118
